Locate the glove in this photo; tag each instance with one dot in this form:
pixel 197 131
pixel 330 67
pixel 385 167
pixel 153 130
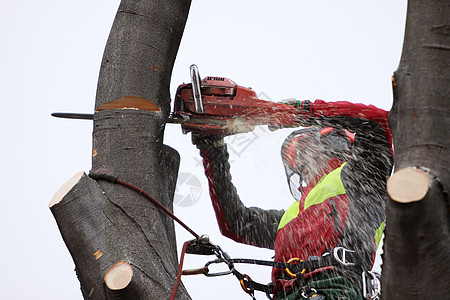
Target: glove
pixel 301 105
pixel 304 106
pixel 204 141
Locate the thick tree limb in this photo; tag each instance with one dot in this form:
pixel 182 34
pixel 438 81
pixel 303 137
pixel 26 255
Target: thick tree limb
pixel 141 51
pixel 122 245
pixel 101 236
pixel 100 233
pixel 417 237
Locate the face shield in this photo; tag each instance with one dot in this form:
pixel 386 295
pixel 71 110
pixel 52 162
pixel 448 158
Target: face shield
pixel 296 184
pixel 304 146
pixel 299 149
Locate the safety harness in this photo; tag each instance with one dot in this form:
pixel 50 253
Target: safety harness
pixel 294 268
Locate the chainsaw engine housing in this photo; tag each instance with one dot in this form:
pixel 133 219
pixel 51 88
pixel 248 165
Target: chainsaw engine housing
pixel 227 108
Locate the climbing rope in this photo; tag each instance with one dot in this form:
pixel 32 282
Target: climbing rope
pixel 114 179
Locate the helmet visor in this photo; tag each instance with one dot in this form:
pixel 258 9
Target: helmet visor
pixel 296 184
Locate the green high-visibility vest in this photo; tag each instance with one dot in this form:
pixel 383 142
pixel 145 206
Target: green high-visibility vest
pixel 329 186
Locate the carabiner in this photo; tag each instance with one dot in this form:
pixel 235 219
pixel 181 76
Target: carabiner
pixel 250 291
pixel 246 289
pixel 289 271
pixel 217 261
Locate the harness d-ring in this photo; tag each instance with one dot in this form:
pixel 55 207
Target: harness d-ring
pixel 243 286
pixel 289 271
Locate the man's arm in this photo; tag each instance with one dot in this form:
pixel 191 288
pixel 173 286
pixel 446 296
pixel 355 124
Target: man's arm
pixel 372 147
pixel 373 141
pixel 248 225
pixel 324 112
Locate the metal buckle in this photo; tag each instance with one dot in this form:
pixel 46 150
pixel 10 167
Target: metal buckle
pixel 201 246
pixel 290 261
pixel 342 260
pixel 311 291
pixel 371 286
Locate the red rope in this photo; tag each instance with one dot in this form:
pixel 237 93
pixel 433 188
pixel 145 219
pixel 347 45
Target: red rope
pixel 157 203
pixel 164 209
pixel 180 270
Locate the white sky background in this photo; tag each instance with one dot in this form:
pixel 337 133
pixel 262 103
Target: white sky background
pixel 50 54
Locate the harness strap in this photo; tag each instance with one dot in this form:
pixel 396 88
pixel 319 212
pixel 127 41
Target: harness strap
pixel 336 257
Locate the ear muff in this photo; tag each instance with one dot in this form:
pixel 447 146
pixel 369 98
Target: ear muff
pixel 348 134
pixel 335 142
pixel 290 152
pixel 338 142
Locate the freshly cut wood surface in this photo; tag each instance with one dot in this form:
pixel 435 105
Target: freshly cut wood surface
pixel 65 188
pixel 408 185
pixel 119 276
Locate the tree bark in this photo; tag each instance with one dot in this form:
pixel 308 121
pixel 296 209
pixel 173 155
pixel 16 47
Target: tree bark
pixel 416 256
pixel 122 245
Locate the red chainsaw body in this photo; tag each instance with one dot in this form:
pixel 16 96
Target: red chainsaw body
pixel 228 108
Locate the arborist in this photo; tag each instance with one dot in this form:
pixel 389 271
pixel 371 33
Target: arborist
pixel 336 165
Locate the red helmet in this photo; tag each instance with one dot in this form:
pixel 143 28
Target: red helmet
pixel 307 144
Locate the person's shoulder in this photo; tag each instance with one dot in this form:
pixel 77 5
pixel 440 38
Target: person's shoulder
pixel 347 169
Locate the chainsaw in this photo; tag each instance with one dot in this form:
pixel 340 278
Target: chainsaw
pixel 217 105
